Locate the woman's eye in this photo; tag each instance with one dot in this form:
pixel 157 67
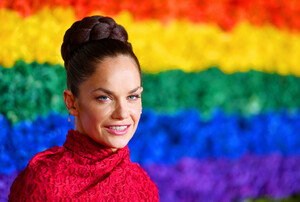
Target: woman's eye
pixel 103 98
pixel 133 97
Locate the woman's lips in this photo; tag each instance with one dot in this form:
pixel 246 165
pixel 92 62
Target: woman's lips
pixel 118 129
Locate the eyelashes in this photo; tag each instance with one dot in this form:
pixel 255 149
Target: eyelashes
pixel 134 97
pixel 105 98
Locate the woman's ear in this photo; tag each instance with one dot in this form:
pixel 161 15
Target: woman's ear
pixel 70 101
pixel 141 89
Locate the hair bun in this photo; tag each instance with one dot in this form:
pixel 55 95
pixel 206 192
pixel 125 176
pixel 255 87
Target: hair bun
pixel 89 29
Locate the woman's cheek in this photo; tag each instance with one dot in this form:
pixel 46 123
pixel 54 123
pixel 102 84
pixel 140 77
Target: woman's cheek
pixel 135 110
pixel 102 113
pixel 91 114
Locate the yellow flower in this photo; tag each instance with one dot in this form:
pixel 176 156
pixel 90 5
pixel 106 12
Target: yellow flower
pixel 177 45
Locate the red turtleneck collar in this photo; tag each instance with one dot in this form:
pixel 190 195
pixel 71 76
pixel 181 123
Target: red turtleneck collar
pixel 87 148
pixel 84 170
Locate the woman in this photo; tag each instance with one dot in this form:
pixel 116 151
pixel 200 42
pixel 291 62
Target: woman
pixel 104 95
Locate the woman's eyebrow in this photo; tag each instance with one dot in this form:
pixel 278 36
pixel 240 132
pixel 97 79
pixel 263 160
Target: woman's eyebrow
pixel 104 90
pixel 111 92
pixel 134 90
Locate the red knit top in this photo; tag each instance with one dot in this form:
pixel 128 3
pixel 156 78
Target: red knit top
pixel 83 170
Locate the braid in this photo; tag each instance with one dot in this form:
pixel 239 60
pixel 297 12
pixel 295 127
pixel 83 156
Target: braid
pixel 91 29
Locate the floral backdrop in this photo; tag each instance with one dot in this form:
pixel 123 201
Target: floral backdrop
pixel 221 96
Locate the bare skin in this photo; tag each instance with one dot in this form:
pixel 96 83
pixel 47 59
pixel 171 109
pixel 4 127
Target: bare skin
pixel 108 107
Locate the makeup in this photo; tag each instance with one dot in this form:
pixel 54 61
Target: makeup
pixel 118 129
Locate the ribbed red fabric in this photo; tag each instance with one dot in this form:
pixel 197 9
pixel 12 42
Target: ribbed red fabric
pixel 83 170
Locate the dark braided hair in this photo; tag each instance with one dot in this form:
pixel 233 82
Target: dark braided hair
pixel 87 43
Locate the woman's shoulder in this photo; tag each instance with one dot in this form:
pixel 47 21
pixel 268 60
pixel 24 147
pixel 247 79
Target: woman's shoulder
pixel 36 179
pixel 144 179
pixel 47 163
pixel 138 170
pixel 49 157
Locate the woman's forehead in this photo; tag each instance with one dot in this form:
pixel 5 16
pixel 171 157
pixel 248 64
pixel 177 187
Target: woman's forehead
pixel 114 74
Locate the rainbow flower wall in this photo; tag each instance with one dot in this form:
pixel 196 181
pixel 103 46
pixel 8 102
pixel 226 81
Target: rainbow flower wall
pixel 221 96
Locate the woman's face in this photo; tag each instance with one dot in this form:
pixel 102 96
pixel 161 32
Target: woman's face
pixel 109 102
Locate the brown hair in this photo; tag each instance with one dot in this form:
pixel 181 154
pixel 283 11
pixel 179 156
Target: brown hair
pixel 90 41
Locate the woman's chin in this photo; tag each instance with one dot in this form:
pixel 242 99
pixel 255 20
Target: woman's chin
pixel 114 146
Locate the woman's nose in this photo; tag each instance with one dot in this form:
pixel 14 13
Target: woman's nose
pixel 120 111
